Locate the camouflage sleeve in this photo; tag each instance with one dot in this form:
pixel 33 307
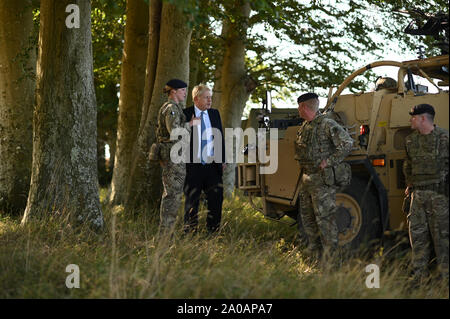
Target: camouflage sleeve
pixel 174 119
pixel 407 164
pixel 341 140
pixel 444 154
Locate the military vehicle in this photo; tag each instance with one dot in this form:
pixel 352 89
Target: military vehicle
pixel 378 121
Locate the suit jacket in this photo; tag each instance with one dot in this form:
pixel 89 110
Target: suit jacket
pixel 216 122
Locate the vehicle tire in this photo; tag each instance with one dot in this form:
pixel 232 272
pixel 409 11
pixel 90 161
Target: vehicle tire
pixel 358 215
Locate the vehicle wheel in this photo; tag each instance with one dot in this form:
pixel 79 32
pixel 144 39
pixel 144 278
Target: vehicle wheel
pixel 358 217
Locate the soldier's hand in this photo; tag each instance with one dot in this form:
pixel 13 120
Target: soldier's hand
pixel 323 164
pixel 407 190
pixel 162 163
pixel 194 121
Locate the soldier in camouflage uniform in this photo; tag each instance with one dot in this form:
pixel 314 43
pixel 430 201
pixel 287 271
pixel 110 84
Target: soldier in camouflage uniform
pixel 320 146
pixel 426 173
pixel 385 83
pixel 171 116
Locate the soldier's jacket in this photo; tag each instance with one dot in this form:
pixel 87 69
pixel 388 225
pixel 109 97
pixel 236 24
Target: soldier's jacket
pixel 322 138
pixel 427 158
pixel 170 116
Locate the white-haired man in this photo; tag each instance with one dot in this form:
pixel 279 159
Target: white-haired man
pixel 204 171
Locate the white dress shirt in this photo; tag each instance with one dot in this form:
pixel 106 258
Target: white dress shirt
pixel 209 135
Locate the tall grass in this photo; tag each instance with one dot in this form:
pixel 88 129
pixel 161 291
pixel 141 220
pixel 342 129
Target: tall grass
pixel 251 257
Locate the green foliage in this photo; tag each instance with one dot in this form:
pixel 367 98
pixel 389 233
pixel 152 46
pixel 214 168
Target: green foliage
pixel 251 257
pixel 108 21
pixel 330 39
pixel 195 9
pixel 399 13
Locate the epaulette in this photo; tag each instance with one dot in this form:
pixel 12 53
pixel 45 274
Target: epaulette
pixel 167 107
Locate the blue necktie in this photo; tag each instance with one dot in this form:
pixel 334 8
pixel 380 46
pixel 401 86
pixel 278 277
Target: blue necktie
pixel 203 141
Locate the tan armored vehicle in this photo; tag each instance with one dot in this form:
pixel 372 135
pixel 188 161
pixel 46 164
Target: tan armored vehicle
pixel 378 121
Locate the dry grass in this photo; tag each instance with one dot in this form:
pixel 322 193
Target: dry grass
pixel 251 257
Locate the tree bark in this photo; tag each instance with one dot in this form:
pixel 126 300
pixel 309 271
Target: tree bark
pixel 194 65
pixel 131 95
pixel 144 186
pixel 155 11
pixel 217 89
pixel 17 84
pixel 64 170
pixel 233 85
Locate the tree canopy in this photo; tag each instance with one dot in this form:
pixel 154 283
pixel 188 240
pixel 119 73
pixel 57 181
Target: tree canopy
pixel 327 39
pixel 286 46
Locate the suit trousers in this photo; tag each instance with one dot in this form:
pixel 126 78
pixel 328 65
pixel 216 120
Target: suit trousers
pixel 206 178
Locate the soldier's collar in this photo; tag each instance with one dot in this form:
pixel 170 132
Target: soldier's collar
pixel 317 118
pixel 172 101
pixel 434 129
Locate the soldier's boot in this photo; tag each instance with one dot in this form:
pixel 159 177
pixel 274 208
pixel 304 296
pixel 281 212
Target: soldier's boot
pixel 313 253
pixel 302 239
pixel 314 249
pixel 443 271
pixel 338 257
pixel 420 277
pixel 331 259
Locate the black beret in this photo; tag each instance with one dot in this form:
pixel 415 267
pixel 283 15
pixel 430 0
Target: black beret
pixel 306 97
pixel 176 84
pixel 422 108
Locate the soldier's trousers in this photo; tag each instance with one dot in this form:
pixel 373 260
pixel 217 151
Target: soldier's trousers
pixel 173 180
pixel 318 213
pixel 428 230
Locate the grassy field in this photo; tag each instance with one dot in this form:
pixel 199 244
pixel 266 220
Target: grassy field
pixel 251 257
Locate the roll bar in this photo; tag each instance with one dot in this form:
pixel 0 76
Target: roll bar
pixel 417 67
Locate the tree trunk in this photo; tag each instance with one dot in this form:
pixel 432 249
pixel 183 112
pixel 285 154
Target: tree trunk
pixel 17 84
pixel 144 186
pixel 194 65
pixel 64 170
pixel 235 86
pixel 131 95
pixel 152 58
pixel 217 89
pixel 198 47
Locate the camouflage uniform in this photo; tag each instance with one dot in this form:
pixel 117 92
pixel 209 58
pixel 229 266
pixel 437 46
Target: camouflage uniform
pixel 322 138
pixel 170 116
pixel 385 83
pixel 426 169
